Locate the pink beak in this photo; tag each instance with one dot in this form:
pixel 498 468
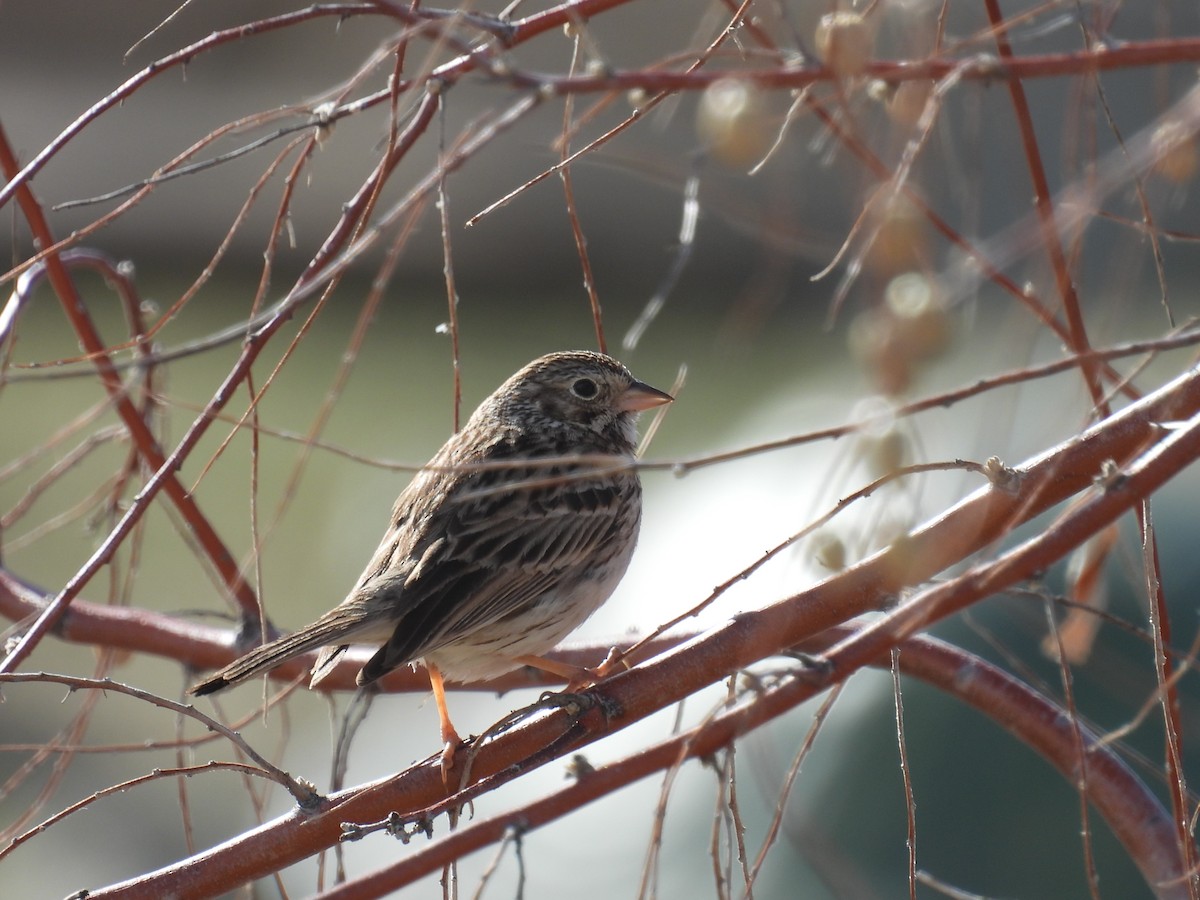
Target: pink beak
pixel 639 396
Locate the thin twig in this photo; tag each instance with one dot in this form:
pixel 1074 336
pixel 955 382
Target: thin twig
pixel 304 794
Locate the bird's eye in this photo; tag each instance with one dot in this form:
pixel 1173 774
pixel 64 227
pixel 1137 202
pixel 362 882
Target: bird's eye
pixel 585 388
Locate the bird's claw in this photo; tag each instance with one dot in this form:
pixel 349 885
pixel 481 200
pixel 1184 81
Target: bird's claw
pixel 587 677
pixel 449 760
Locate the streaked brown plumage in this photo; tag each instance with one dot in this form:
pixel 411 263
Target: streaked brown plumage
pixel 485 565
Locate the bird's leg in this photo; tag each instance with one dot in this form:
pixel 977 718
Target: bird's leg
pixel 576 677
pixel 451 742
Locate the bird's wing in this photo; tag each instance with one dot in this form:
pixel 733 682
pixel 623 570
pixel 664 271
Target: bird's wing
pixel 495 550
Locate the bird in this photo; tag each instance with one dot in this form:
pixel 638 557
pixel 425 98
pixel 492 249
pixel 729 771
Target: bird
pixel 514 533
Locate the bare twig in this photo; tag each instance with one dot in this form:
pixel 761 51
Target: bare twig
pixel 304 794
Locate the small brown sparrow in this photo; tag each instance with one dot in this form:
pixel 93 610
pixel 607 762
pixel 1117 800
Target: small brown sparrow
pixel 494 556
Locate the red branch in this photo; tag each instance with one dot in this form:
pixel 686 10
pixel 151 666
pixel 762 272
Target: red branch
pixel 1139 820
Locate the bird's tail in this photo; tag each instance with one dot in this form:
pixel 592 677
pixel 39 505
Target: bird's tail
pixel 276 653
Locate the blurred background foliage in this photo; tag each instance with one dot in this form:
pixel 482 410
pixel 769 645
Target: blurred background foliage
pixel 767 356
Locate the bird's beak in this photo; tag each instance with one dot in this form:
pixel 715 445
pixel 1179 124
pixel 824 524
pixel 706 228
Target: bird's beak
pixel 639 396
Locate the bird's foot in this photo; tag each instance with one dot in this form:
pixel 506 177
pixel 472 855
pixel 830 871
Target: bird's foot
pixel 450 760
pixel 612 664
pixel 577 677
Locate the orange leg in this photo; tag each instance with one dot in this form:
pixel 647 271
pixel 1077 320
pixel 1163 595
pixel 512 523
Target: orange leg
pixel 450 739
pixel 576 677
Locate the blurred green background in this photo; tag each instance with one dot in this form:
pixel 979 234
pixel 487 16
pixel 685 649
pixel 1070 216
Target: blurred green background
pixel 763 362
